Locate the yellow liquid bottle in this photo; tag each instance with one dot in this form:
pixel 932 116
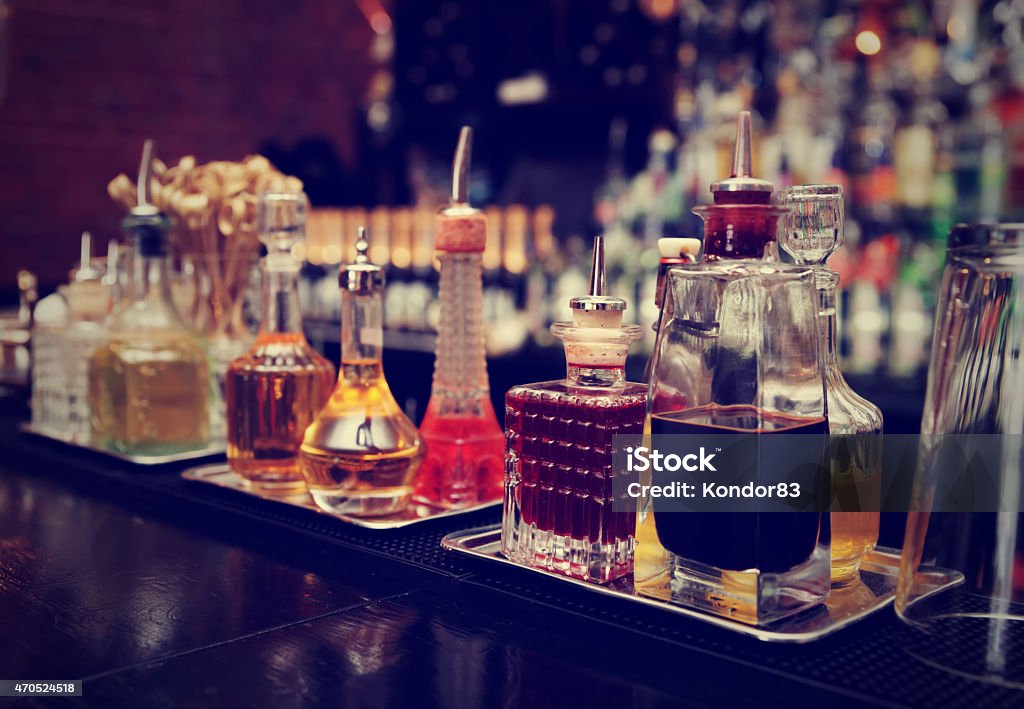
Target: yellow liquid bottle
pixel 274 390
pixel 149 384
pixel 361 454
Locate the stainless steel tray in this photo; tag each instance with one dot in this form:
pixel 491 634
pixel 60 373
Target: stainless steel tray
pixel 844 607
pixel 213 450
pixel 221 475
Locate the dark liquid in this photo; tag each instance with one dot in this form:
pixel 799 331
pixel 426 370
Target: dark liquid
pixel 738 232
pixel 563 445
pixel 735 541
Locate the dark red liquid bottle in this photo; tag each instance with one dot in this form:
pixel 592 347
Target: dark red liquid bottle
pixel 561 511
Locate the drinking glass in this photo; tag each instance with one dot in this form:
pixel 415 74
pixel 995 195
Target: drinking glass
pixel 974 412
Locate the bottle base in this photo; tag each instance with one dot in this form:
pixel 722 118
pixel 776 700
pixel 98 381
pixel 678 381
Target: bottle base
pixel 362 503
pixel 752 597
pixel 276 488
pixel 569 556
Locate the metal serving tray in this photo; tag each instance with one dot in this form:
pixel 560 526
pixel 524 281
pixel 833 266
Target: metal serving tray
pixel 221 475
pixel 844 607
pixel 214 450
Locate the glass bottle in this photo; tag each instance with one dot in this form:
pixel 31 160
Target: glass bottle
pixel 274 391
pixel 361 454
pixel 149 385
pixel 810 233
pixel 465 444
pixel 737 360
pixel 88 300
pixel 559 511
pixel 49 404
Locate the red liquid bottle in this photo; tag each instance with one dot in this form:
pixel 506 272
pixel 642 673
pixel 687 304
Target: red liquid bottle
pixel 559 487
pixel 465 444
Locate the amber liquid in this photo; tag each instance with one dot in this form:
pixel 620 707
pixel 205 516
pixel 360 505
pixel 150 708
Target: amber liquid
pixel 361 454
pixel 149 395
pixel 273 393
pixel 857 489
pixel 737 541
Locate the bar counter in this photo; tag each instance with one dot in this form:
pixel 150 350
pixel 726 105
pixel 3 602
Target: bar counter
pixel 148 588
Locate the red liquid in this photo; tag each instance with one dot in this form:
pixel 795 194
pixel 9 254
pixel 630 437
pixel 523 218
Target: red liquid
pixel 463 464
pixel 733 231
pixel 770 541
pixel 562 443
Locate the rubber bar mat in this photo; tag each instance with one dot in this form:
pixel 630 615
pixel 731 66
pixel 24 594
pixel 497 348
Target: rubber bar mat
pixel 408 554
pixel 873 661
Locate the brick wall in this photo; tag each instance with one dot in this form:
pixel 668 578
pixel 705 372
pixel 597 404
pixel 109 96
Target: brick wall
pixel 88 80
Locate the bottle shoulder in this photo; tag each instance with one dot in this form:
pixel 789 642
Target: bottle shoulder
pixel 631 394
pixel 157 350
pixel 848 411
pixel 283 353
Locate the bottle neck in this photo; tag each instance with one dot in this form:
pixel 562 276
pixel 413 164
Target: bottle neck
pixel 151 282
pixel 362 333
pixel 827 283
pixel 739 231
pixel 460 364
pixel 603 377
pixel 281 310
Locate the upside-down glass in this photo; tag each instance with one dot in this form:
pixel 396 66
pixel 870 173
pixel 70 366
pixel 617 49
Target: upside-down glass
pixel 738 353
pixel 975 387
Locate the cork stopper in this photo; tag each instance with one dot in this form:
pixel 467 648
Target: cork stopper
pixel 460 228
pixel 597 309
pixel 741 187
pixel 361 277
pixel 681 248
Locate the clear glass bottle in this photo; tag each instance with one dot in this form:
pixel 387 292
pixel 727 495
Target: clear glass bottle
pixel 465 444
pixel 149 385
pixel 275 390
pixel 736 363
pixel 361 454
pixel 560 512
pixel 49 404
pixel 88 300
pixel 810 233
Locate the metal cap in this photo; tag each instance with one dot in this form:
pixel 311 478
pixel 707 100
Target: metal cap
pixel 361 277
pixel 597 299
pixel 741 180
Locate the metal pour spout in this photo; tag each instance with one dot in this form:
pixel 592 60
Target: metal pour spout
pixel 598 279
pixel 741 163
pixel 142 185
pixel 460 166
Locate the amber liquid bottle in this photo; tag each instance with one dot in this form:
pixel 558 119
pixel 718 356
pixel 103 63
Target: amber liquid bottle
pixel 810 233
pixel 361 455
pixel 274 391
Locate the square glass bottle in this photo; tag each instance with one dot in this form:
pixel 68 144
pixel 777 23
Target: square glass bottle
pixel 560 510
